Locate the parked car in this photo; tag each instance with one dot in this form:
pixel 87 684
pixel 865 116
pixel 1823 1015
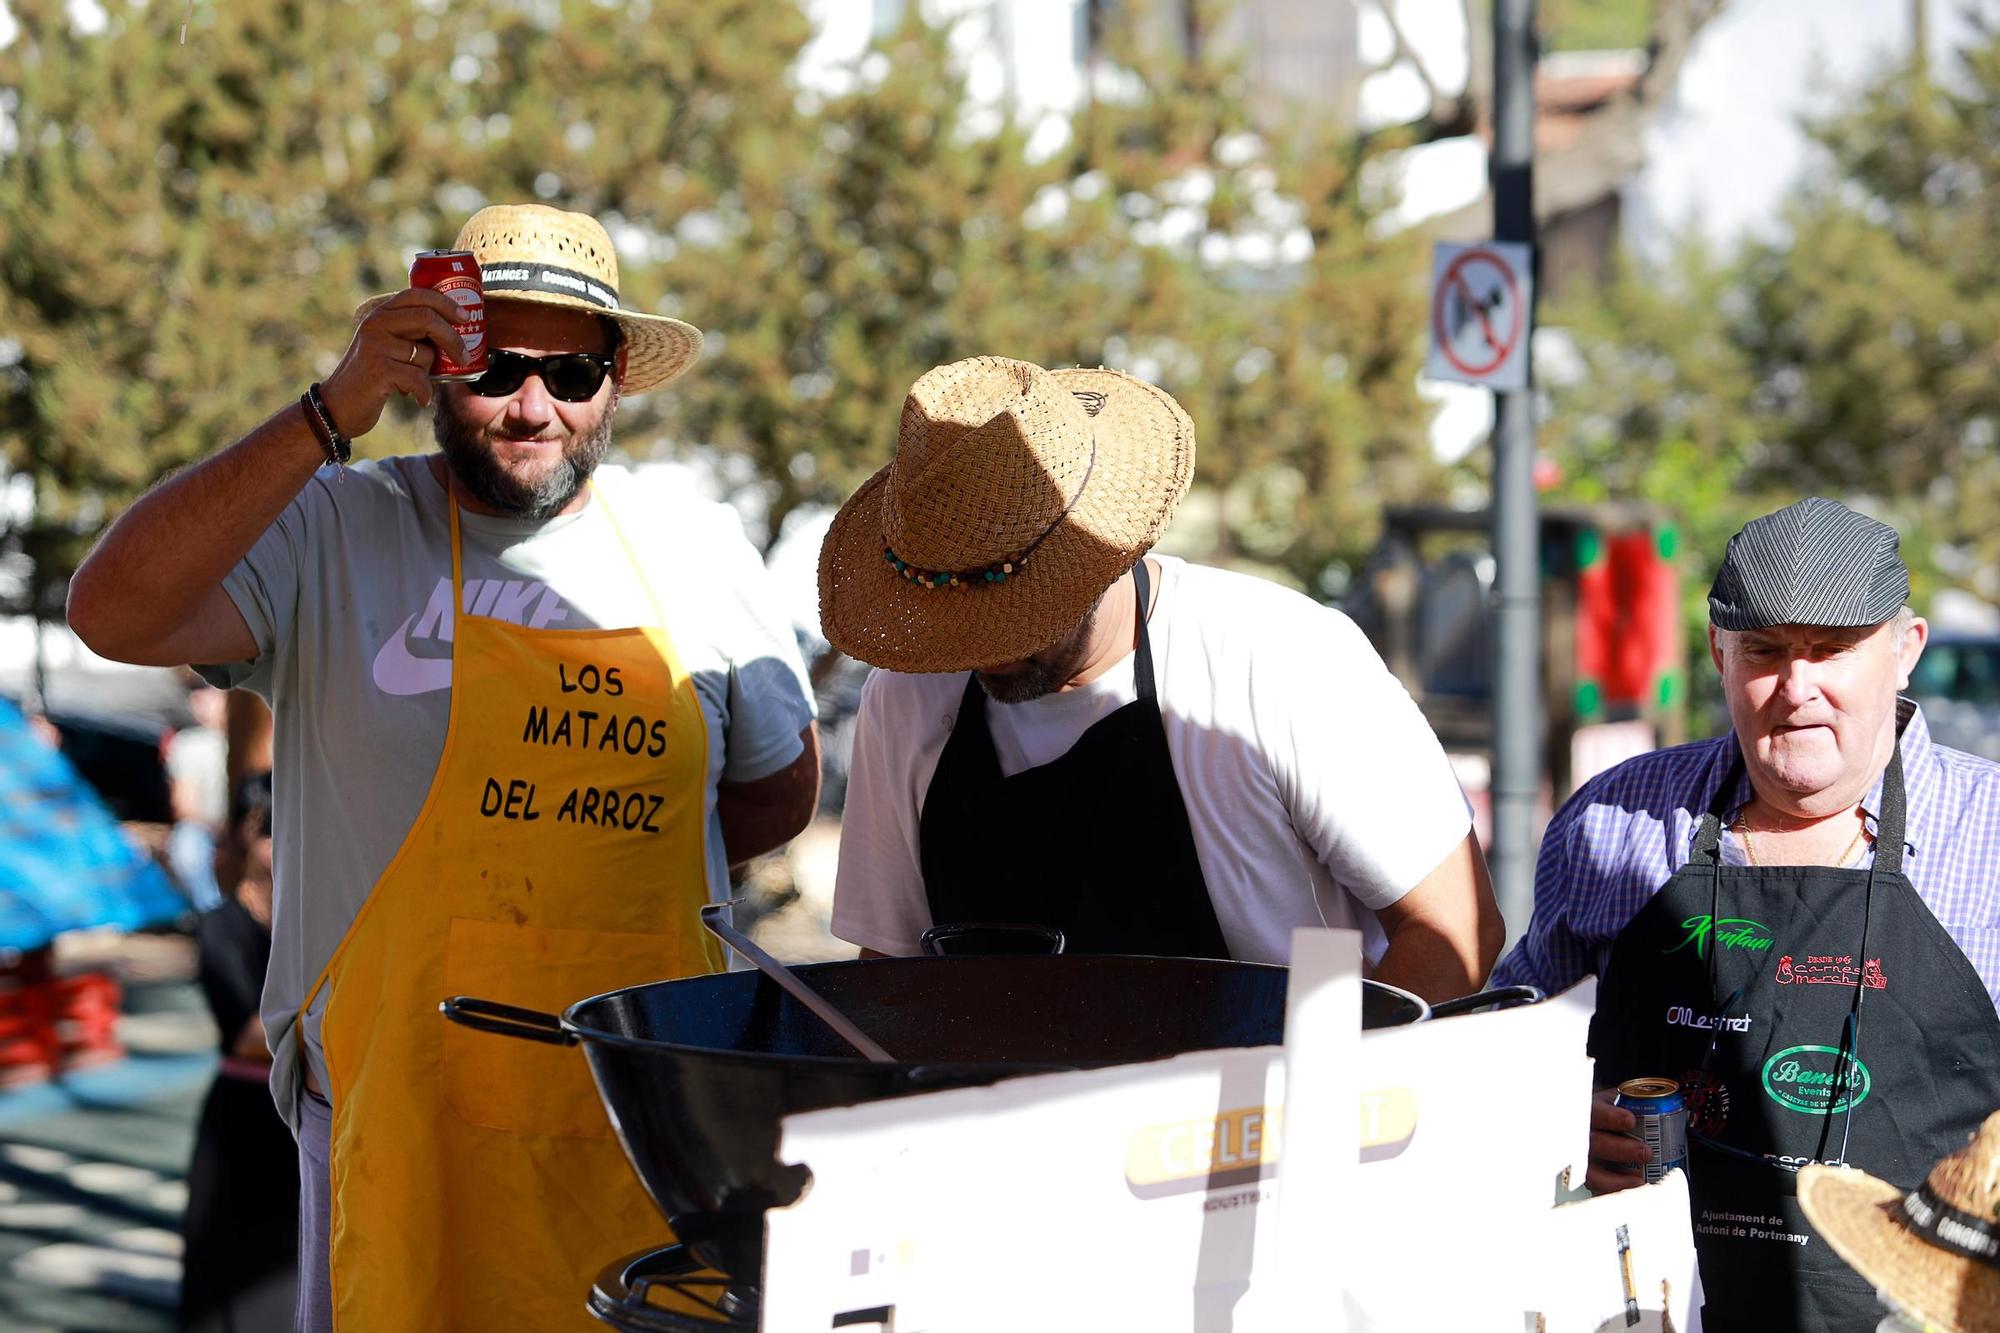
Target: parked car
pixel 1958 683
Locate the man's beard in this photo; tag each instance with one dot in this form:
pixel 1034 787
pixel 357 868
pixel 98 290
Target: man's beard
pixel 473 461
pixel 1045 672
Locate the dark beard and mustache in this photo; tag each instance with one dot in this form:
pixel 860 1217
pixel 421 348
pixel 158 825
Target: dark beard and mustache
pixel 1047 671
pixel 472 460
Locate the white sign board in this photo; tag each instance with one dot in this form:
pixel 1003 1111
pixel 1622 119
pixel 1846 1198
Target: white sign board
pixel 1599 747
pixel 1481 299
pixel 1163 1196
pixel 1622 1262
pixel 1133 1197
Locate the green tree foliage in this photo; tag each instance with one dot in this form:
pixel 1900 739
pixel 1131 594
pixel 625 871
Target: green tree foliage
pixel 1874 328
pixel 185 230
pixel 889 239
pixel 1854 355
pixel 1594 25
pixel 1301 373
pixel 1657 408
pixel 918 230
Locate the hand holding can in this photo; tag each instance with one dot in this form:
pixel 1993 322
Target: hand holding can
pixel 1661 1114
pixel 394 349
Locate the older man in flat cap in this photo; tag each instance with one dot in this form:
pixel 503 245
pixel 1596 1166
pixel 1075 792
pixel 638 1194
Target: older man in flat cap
pixel 1797 922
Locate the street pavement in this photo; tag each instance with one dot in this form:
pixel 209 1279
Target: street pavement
pixel 93 1165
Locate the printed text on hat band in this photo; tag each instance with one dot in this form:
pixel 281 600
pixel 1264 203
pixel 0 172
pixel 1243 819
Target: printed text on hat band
pixel 1928 1216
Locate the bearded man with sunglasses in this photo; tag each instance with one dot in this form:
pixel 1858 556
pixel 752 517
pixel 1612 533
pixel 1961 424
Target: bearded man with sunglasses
pixel 525 722
pixel 1798 922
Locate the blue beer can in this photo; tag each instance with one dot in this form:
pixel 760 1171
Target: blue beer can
pixel 1657 1104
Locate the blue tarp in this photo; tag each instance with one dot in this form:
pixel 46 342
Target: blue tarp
pixel 64 863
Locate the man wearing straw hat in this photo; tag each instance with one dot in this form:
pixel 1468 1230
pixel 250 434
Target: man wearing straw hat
pixel 1153 757
pixel 524 723
pixel 1932 1252
pixel 1797 921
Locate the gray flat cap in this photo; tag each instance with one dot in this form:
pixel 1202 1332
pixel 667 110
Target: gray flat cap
pixel 1811 563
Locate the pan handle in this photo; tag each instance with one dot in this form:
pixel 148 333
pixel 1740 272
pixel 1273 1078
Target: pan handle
pixel 716 917
pixel 1465 1004
pixel 1013 938
pixel 507 1020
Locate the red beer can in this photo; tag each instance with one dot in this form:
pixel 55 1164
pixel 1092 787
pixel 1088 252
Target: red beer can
pixel 456 274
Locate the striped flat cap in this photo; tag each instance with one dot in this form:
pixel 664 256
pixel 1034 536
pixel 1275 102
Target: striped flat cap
pixel 1811 563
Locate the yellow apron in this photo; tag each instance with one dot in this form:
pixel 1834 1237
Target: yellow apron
pixel 559 854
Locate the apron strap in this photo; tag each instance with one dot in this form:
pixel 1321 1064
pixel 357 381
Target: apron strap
pixel 631 556
pixel 1889 828
pixel 1142 665
pixel 457 562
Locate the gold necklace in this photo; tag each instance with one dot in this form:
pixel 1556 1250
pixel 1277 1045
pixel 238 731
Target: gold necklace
pixel 1750 848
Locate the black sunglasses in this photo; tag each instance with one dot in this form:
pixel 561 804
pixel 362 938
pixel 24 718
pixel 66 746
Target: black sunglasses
pixel 573 377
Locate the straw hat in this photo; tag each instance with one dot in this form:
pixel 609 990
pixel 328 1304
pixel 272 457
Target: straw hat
pixel 1016 497
pixel 531 252
pixel 1934 1250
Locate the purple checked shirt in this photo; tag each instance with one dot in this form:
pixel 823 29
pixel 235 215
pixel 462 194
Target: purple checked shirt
pixel 1614 844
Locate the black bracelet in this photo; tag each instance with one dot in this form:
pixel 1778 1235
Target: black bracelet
pixel 338 447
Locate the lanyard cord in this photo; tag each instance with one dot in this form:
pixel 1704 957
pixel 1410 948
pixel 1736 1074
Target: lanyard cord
pixel 1850 1037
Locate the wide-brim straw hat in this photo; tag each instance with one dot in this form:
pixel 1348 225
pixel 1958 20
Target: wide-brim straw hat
pixel 1899 1239
pixel 545 256
pixel 1016 496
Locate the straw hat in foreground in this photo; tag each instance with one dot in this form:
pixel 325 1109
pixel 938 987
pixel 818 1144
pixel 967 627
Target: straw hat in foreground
pixel 1934 1250
pixel 1016 497
pixel 538 254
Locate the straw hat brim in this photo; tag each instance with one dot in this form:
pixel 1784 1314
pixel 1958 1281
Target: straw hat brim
pixel 658 348
pixel 1144 460
pixel 1857 1215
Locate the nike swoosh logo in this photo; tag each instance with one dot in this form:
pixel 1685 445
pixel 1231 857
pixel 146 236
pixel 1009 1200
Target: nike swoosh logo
pixel 399 671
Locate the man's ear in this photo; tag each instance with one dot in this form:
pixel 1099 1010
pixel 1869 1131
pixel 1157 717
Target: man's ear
pixel 1915 636
pixel 623 348
pixel 1715 648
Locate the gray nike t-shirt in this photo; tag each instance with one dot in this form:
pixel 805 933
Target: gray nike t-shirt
pixel 348 596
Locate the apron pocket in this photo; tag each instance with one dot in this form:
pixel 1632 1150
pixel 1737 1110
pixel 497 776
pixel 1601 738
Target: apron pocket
pixel 526 1087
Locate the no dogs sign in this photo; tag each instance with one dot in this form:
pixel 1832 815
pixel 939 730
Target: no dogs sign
pixel 1480 299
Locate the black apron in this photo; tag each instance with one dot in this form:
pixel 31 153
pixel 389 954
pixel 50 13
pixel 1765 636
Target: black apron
pixel 1095 843
pixel 1810 1013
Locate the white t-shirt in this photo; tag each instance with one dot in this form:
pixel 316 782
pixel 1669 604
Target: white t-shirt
pixel 1315 790
pixel 199 757
pixel 348 596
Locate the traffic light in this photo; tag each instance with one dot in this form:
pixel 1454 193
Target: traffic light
pixel 1627 622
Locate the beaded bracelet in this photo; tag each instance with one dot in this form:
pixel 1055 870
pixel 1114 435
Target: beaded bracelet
pixel 338 447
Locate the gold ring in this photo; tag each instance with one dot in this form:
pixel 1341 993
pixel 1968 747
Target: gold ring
pixel 413 354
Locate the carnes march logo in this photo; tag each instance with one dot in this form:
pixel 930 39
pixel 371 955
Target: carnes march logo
pixel 1809 1079
pixel 1730 932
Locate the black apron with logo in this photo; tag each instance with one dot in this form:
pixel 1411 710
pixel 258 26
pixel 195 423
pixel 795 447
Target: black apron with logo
pixel 1811 1014
pixel 1095 843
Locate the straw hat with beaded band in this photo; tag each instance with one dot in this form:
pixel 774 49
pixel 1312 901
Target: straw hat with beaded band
pixel 1017 495
pixel 1934 1250
pixel 534 253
